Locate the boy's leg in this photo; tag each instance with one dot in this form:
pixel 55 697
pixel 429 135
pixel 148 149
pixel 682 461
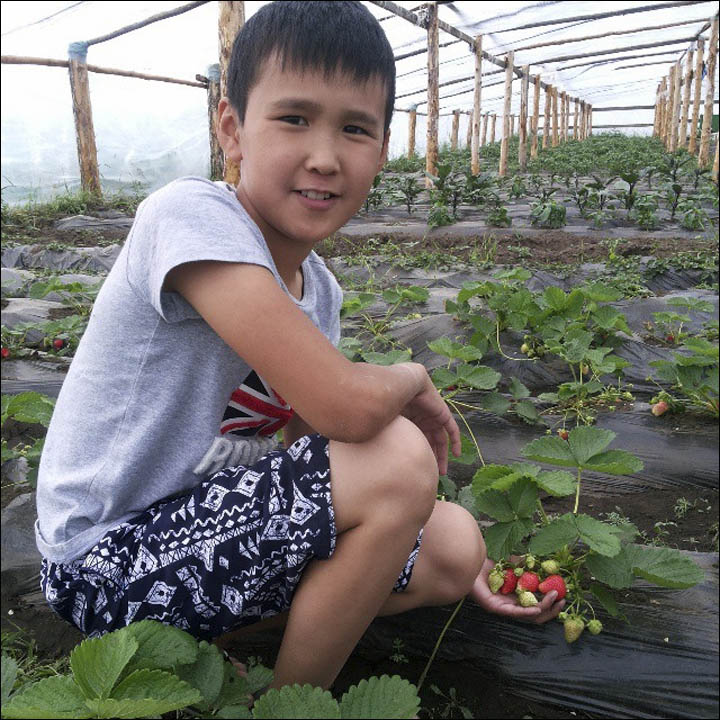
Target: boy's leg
pixel 383 492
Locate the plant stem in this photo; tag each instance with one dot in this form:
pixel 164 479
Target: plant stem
pixel 542 512
pixel 500 350
pixel 577 494
pixel 437 645
pixel 472 435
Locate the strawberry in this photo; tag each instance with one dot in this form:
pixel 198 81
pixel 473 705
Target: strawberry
pixel 518 571
pixel 563 433
pixel 595 627
pixel 496 579
pixel 562 616
pixel 529 562
pixel 58 343
pixel 574 627
pixel 528 581
pixel 660 408
pixel 450 388
pixel 554 582
pixel 670 338
pixel 524 348
pixel 527 599
pixel 5 352
pixel 551 567
pixel 509 583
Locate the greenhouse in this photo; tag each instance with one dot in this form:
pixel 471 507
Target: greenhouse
pixel 542 239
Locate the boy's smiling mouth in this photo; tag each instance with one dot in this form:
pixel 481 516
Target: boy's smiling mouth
pixel 316 199
pixel 317 194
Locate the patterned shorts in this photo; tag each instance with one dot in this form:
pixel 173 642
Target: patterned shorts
pixel 226 555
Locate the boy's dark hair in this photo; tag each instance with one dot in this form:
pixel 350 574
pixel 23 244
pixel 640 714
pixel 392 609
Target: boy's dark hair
pixel 311 35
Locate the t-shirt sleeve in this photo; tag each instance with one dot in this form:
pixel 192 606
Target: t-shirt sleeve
pixel 189 220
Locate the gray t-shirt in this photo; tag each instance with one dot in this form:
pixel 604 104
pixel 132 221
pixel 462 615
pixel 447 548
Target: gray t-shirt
pixel 155 400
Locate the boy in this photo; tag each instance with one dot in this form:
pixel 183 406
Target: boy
pixel 218 316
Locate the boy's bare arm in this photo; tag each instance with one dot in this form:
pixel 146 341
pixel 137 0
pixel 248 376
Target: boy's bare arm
pixel 346 401
pixel 296 428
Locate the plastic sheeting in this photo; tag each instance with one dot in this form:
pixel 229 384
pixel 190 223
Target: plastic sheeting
pixel 149 133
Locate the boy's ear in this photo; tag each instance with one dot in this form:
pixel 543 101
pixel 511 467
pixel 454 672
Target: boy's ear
pixel 384 151
pixel 228 130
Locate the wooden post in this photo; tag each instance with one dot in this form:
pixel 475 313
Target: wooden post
pixel 676 108
pixel 502 170
pixel 484 130
pixel 575 120
pixel 82 111
pixel 546 123
pixel 669 107
pixel 231 17
pixel 216 153
pixel 554 117
pixel 468 138
pixel 567 118
pixel 535 120
pixel 704 154
pixel 492 128
pixel 433 92
pixel 589 130
pixel 522 130
pixel 663 109
pixel 455 130
pixel 682 139
pixel 697 92
pixel 412 123
pixel 656 114
pixel 477 97
pixel 716 162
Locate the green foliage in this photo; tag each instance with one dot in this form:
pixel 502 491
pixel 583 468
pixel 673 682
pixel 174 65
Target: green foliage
pixel 546 212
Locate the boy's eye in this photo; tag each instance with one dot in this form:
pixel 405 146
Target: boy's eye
pixel 355 130
pixel 293 119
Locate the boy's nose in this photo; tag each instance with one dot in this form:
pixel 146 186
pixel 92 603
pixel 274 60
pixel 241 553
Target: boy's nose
pixel 322 157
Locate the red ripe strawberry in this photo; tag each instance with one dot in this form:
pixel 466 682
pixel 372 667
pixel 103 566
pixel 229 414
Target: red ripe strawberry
pixel 5 352
pixel 510 582
pixel 58 343
pixel 670 338
pixel 528 581
pixel 660 408
pixel 554 582
pixel 450 388
pixel 563 433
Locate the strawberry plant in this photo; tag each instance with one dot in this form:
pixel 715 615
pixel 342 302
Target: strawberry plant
pixel 580 557
pixel 148 669
pixel 546 212
pixel 407 189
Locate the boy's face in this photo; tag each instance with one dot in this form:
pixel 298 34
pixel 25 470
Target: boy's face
pixel 304 133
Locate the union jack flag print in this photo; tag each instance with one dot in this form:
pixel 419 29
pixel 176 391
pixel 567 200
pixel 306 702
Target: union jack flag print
pixel 255 409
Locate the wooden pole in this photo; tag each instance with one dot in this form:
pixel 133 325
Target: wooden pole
pixel 668 106
pixel 502 170
pixel 82 112
pixel 546 124
pixel 484 131
pixel 682 139
pixel 535 120
pixel 704 154
pixel 555 117
pixel 697 93
pixel 590 122
pixel 656 114
pixel 676 108
pixel 216 153
pixel 412 124
pixel 455 129
pixel 716 162
pixel 433 91
pixel 477 104
pixel 468 138
pixel 522 129
pixel 492 128
pixel 662 122
pixel 575 120
pixel 231 17
pixel 567 116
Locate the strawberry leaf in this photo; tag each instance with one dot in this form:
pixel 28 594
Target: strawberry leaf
pixel 97 662
pixel 551 450
pixel 526 410
pixel 495 504
pixel 53 697
pixel 380 697
pixel 615 462
pixel 443 378
pixel 517 389
pixel 479 377
pixel 606 599
pixel 615 572
pixel 665 567
pixel 586 441
pixel 523 496
pixel 550 538
pixel 293 701
pixel 502 539
pixel 597 535
pixel 557 483
pixel 159 646
pixel 494 403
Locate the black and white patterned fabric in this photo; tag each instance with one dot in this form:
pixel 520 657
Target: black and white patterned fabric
pixel 226 555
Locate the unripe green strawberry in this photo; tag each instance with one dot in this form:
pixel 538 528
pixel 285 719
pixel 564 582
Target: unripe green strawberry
pixel 527 599
pixel 574 627
pixel 562 616
pixel 524 348
pixel 551 567
pixel 518 571
pixel 496 580
pixel 529 562
pixel 594 627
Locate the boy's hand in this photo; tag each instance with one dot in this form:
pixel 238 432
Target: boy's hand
pixel 431 414
pixel 508 605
